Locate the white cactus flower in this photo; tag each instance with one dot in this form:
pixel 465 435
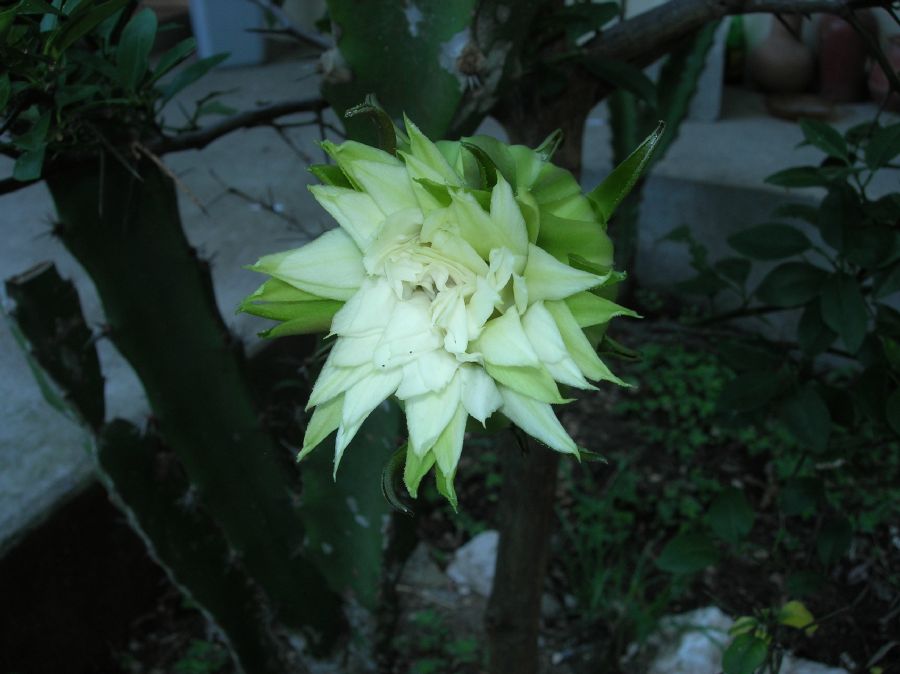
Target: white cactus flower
pixel 460 280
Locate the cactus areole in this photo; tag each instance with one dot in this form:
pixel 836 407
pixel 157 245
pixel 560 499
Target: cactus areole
pixel 460 279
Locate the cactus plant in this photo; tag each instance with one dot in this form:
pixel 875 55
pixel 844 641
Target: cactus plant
pixel 159 504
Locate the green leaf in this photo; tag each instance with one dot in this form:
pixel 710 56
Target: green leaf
pixel 844 310
pixel 5 91
pixel 688 553
pixel 870 247
pixel 133 50
pixel 838 210
pixel 802 496
pixel 807 418
pixel 824 137
pixel 190 75
pixel 795 614
pixel 610 193
pixel 624 76
pixel 29 165
pixel 82 21
pixel 770 242
pixel 806 176
pixel 173 57
pixel 748 392
pixel 735 269
pixel 744 655
pixel 730 516
pixel 35 138
pixel 883 146
pixel 812 333
pixel 892 411
pixel 791 284
pixel 834 539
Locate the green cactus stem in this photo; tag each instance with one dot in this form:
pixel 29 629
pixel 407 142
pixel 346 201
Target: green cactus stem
pixel 122 224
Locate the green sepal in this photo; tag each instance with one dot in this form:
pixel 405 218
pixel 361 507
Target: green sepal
pixel 415 469
pixel 534 382
pixel 330 174
pixel 445 488
pixel 384 125
pixel 590 309
pixel 497 153
pixel 610 193
pixel 390 477
pixel 315 317
pixel 561 237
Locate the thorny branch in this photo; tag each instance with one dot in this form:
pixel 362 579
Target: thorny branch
pixel 289 28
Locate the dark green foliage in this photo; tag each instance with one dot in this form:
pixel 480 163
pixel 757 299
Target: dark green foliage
pixel 843 288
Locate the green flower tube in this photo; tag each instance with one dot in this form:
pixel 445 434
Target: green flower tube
pixel 460 280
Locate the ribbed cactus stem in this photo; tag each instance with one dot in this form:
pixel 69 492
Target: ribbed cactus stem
pixel 158 298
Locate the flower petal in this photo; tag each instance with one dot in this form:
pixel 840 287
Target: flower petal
pixel 448 447
pixel 428 415
pixel 367 312
pixel 359 402
pixel 428 373
pixel 356 212
pixel 549 279
pixel 323 422
pixel 537 419
pixel 578 346
pixel 507 216
pixel 479 392
pixel 543 333
pixel 329 266
pixel 504 342
pixel 389 186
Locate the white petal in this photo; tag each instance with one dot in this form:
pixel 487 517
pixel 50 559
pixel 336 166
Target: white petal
pixel 329 266
pixel 354 211
pixel 322 423
pixel 520 293
pixel 537 419
pixel 353 351
pixel 578 346
pixel 458 250
pixel 359 402
pixel 479 392
pixel 428 415
pixel 550 279
pixel 397 230
pixel 544 335
pixel 503 342
pixel 388 185
pixel 367 312
pixel 448 447
pixel 449 313
pixel 334 380
pixel 409 333
pixel 481 305
pixel 429 372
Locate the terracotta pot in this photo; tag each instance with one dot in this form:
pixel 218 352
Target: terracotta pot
pixel 842 57
pixel 781 63
pixel 879 86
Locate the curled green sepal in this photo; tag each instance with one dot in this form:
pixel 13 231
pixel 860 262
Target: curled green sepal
pixel 384 125
pixel 391 476
pixel 610 193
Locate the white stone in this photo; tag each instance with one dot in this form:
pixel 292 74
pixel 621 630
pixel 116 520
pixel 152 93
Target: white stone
pixel 472 568
pixel 693 643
